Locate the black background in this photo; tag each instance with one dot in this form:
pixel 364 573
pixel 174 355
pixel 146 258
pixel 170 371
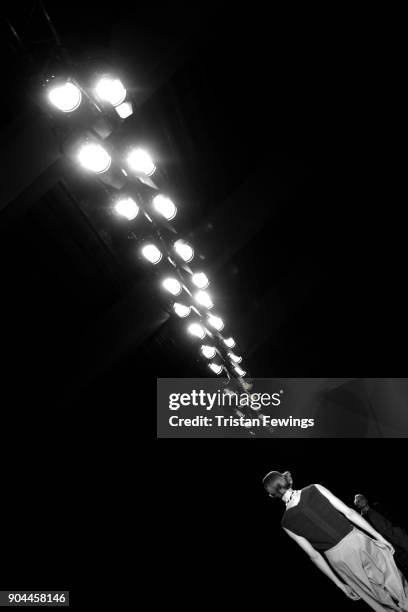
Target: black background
pixel 303 106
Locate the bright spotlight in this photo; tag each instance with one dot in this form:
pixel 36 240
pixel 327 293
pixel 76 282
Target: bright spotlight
pixel 66 97
pixel 239 371
pixel 124 110
pixel 181 310
pixel 202 298
pixel 165 207
pixel 195 329
pixel 216 322
pixel 184 250
pixel 110 90
pixel 234 358
pixel 140 162
pixel 200 280
pixel 126 207
pixel 230 342
pixel 172 286
pixel 208 351
pixel 93 157
pixel 152 254
pixel 215 367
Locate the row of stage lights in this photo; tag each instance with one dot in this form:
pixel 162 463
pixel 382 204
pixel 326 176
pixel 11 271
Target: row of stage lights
pixel 93 155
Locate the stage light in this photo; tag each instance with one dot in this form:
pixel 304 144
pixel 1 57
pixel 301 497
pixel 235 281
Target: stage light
pixel 184 250
pixel 93 156
pixel 181 310
pixel 110 90
pixel 172 286
pixel 208 351
pixel 165 207
pixel 66 97
pixel 152 254
pixel 234 358
pixel 202 298
pixel 230 342
pixel 126 207
pixel 216 322
pixel 140 162
pixel 200 280
pixel 216 368
pixel 195 329
pixel 239 371
pixel 124 110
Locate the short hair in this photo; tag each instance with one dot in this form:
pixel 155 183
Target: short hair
pixel 271 477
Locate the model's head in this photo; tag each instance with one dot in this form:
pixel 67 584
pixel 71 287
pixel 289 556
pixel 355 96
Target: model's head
pixel 360 501
pixel 276 484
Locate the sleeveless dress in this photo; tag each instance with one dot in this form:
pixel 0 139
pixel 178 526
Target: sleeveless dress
pixel 366 565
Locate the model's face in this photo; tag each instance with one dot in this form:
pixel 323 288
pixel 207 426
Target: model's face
pixel 277 490
pixel 360 501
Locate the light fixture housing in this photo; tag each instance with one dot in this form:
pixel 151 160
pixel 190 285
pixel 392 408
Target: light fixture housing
pixel 215 322
pixel 216 368
pixel 66 97
pixel 235 358
pixel 94 157
pixel 229 342
pixel 200 280
pixel 181 310
pixel 184 250
pixel 209 352
pixel 164 206
pixel 239 371
pixel 127 207
pixel 152 254
pixel 140 162
pixel 172 285
pixel 197 330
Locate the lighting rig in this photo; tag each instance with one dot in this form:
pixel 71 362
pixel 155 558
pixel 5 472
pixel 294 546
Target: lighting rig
pixel 86 105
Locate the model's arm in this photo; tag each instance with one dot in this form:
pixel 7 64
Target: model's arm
pixel 321 563
pixel 353 516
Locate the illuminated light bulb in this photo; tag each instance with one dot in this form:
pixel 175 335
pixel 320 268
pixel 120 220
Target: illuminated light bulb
pixel 215 367
pixel 110 90
pixel 200 280
pixel 216 322
pixel 93 157
pixel 230 342
pixel 140 162
pixel 181 310
pixel 172 286
pixel 124 110
pixel 152 253
pixel 202 298
pixel 66 97
pixel 208 351
pixel 165 207
pixel 239 371
pixel 195 329
pixel 234 358
pixel 184 250
pixel 127 207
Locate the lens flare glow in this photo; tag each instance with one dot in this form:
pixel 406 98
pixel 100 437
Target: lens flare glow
pixel 200 280
pixel 93 156
pixel 66 97
pixel 140 162
pixel 164 206
pixel 126 207
pixel 184 250
pixel 215 322
pixel 110 90
pixel 152 253
pixel 230 342
pixel 172 286
pixel 181 310
pixel 208 351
